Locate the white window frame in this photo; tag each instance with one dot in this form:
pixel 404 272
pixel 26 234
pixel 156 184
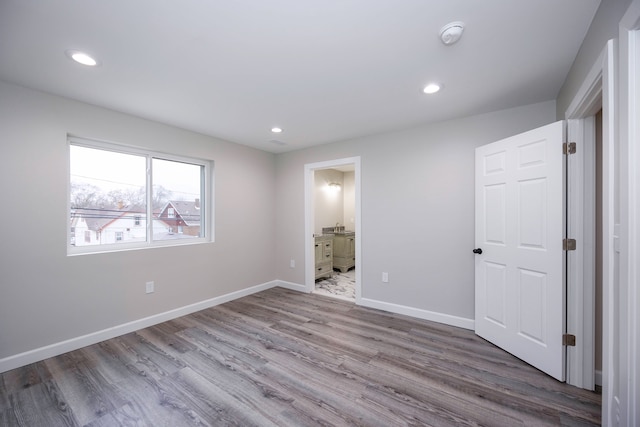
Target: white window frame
pixel 207 229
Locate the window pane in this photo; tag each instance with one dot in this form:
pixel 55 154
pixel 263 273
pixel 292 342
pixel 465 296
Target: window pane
pixel 177 195
pixel 108 197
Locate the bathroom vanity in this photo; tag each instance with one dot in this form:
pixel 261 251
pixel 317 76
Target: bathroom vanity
pixel 344 250
pixel 324 255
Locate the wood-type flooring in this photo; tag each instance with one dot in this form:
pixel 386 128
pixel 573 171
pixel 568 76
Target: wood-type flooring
pixel 283 358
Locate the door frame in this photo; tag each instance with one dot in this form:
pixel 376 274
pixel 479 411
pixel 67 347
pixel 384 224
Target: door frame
pixel 309 188
pixel 597 91
pixel 623 401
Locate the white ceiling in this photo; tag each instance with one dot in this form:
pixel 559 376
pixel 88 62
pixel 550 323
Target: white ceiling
pixel 323 70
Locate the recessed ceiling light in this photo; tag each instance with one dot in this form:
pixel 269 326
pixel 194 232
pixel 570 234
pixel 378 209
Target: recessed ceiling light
pixel 276 130
pixel 82 58
pixel 432 88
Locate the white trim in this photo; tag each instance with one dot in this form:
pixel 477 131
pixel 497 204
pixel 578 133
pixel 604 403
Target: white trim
pixel 447 319
pixel 629 178
pixel 588 99
pixel 206 197
pixel 309 188
pixel 581 262
pixel 292 286
pixel 598 378
pixel 609 235
pixel 56 349
pixel 597 91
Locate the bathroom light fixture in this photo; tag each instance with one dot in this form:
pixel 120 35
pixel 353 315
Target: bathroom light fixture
pixel 432 88
pixel 276 130
pixel 334 186
pixel 81 58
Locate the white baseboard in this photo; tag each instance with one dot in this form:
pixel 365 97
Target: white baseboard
pixel 598 378
pixel 447 319
pixel 292 286
pixel 56 349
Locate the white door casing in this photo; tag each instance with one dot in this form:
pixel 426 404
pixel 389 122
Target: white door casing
pixel 520 274
pixel 309 170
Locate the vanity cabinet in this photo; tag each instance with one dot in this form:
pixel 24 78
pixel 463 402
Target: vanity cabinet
pixel 344 251
pixel 324 256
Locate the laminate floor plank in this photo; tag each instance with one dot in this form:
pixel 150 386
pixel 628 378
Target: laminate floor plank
pixel 87 392
pixel 445 390
pixel 325 394
pixel 168 338
pixel 41 405
pixel 267 343
pixel 151 402
pixel 151 356
pixel 284 358
pixel 335 346
pixel 264 314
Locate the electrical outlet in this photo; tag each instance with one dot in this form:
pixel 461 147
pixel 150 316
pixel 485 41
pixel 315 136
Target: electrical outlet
pixel 150 287
pixel 292 263
pixel 385 277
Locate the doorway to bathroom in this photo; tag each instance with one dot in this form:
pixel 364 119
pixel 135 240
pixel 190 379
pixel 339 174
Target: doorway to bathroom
pixel 332 225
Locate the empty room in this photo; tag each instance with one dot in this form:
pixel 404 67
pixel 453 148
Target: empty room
pixel 292 213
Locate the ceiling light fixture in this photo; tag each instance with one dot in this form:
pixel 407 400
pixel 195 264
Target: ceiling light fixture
pixel 432 88
pixel 334 187
pixel 81 58
pixel 276 130
pixel 451 33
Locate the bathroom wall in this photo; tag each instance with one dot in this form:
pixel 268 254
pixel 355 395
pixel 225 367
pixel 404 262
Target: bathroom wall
pixel 328 203
pixel 349 193
pixel 331 207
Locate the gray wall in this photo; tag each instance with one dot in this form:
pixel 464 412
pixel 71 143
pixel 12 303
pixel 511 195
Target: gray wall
pixel 46 296
pixel 604 27
pixel 348 190
pixel 417 207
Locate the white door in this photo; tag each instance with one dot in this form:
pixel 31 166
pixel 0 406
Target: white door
pixel 519 274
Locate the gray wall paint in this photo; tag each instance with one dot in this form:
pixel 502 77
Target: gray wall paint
pixel 348 190
pixel 417 207
pixel 604 27
pixel 47 297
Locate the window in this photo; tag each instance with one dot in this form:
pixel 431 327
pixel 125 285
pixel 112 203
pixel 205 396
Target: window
pixel 115 188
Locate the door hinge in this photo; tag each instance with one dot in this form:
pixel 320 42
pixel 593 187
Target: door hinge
pixel 569 340
pixel 569 148
pixel 569 244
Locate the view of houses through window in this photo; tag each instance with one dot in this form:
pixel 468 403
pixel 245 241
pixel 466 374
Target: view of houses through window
pixel 127 197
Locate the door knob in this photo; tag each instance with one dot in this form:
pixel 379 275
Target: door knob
pixel 477 251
